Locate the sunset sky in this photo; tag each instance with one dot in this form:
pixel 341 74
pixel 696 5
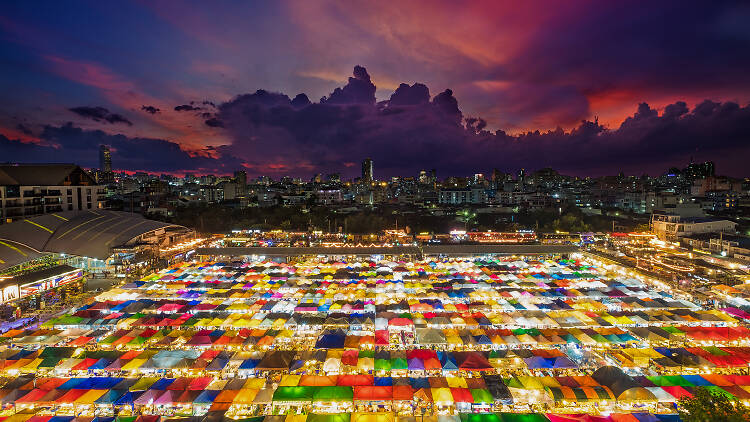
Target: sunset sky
pixel 213 86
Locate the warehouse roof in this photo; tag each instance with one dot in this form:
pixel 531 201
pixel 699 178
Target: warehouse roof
pixel 84 233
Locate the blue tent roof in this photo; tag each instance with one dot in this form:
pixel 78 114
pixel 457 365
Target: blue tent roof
pixel 72 383
pixel 383 381
pixel 448 361
pixel 417 383
pixel 330 341
pixel 249 363
pixel 536 362
pixel 127 398
pixel 162 383
pixel 207 396
pixel 101 364
pixel 110 396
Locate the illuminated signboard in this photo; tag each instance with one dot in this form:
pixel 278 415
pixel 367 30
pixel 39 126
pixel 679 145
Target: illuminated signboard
pixel 9 293
pixel 50 283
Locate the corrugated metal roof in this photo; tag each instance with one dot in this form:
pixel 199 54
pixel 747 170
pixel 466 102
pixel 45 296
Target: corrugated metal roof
pixel 91 234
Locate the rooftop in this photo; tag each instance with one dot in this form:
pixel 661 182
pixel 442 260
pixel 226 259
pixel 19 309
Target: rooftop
pixel 43 175
pixel 91 234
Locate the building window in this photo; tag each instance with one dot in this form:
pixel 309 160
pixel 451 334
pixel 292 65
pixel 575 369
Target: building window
pixel 70 192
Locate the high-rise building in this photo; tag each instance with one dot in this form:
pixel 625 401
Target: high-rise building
pixel 105 174
pixel 367 170
pixel 240 178
pixel 105 158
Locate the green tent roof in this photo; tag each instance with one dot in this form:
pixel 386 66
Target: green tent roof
pixel 338 394
pixel 299 393
pixel 382 365
pixel 57 352
pixel 479 417
pixel 399 363
pixel 718 390
pixel 480 395
pixel 333 417
pixel 513 382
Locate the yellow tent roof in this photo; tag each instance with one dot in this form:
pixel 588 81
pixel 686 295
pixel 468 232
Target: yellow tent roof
pixel 442 395
pixel 245 396
pixel 32 365
pixel 133 364
pixel 90 396
pixel 456 382
pixel 295 418
pixel 372 417
pixel 290 381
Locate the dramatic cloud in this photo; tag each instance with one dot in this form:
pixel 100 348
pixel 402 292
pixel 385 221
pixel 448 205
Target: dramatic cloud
pixel 515 66
pixel 213 122
pixel 68 143
pixel 410 95
pixel 186 107
pixel 25 130
pixel 359 90
pixel 150 109
pixel 410 131
pixel 100 114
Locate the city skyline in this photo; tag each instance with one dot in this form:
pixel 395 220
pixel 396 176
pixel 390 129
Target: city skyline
pixel 496 86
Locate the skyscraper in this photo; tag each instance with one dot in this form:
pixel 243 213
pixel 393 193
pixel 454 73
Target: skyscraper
pixel 105 159
pixel 240 177
pixel 105 165
pixel 367 170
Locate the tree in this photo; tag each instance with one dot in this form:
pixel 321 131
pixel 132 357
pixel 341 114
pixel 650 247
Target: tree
pixel 710 406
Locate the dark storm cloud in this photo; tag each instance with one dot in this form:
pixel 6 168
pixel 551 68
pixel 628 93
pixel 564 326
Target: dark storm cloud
pixel 68 143
pixel 273 134
pixel 413 132
pixel 25 130
pixel 214 122
pixel 410 95
pixel 150 109
pixel 300 101
pixel 359 90
pixel 100 114
pixel 186 107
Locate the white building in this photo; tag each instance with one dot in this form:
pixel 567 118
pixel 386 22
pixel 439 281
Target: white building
pixel 28 190
pixel 674 223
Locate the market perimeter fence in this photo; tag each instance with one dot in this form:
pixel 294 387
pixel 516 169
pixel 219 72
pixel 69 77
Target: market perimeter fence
pixel 418 251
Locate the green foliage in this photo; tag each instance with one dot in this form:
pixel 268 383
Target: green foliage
pixel 710 406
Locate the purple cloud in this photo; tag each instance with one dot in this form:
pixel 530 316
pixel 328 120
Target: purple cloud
pixel 409 132
pixel 100 114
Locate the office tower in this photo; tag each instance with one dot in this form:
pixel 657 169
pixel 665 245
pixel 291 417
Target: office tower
pixel 367 170
pixel 105 165
pixel 105 158
pixel 240 177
